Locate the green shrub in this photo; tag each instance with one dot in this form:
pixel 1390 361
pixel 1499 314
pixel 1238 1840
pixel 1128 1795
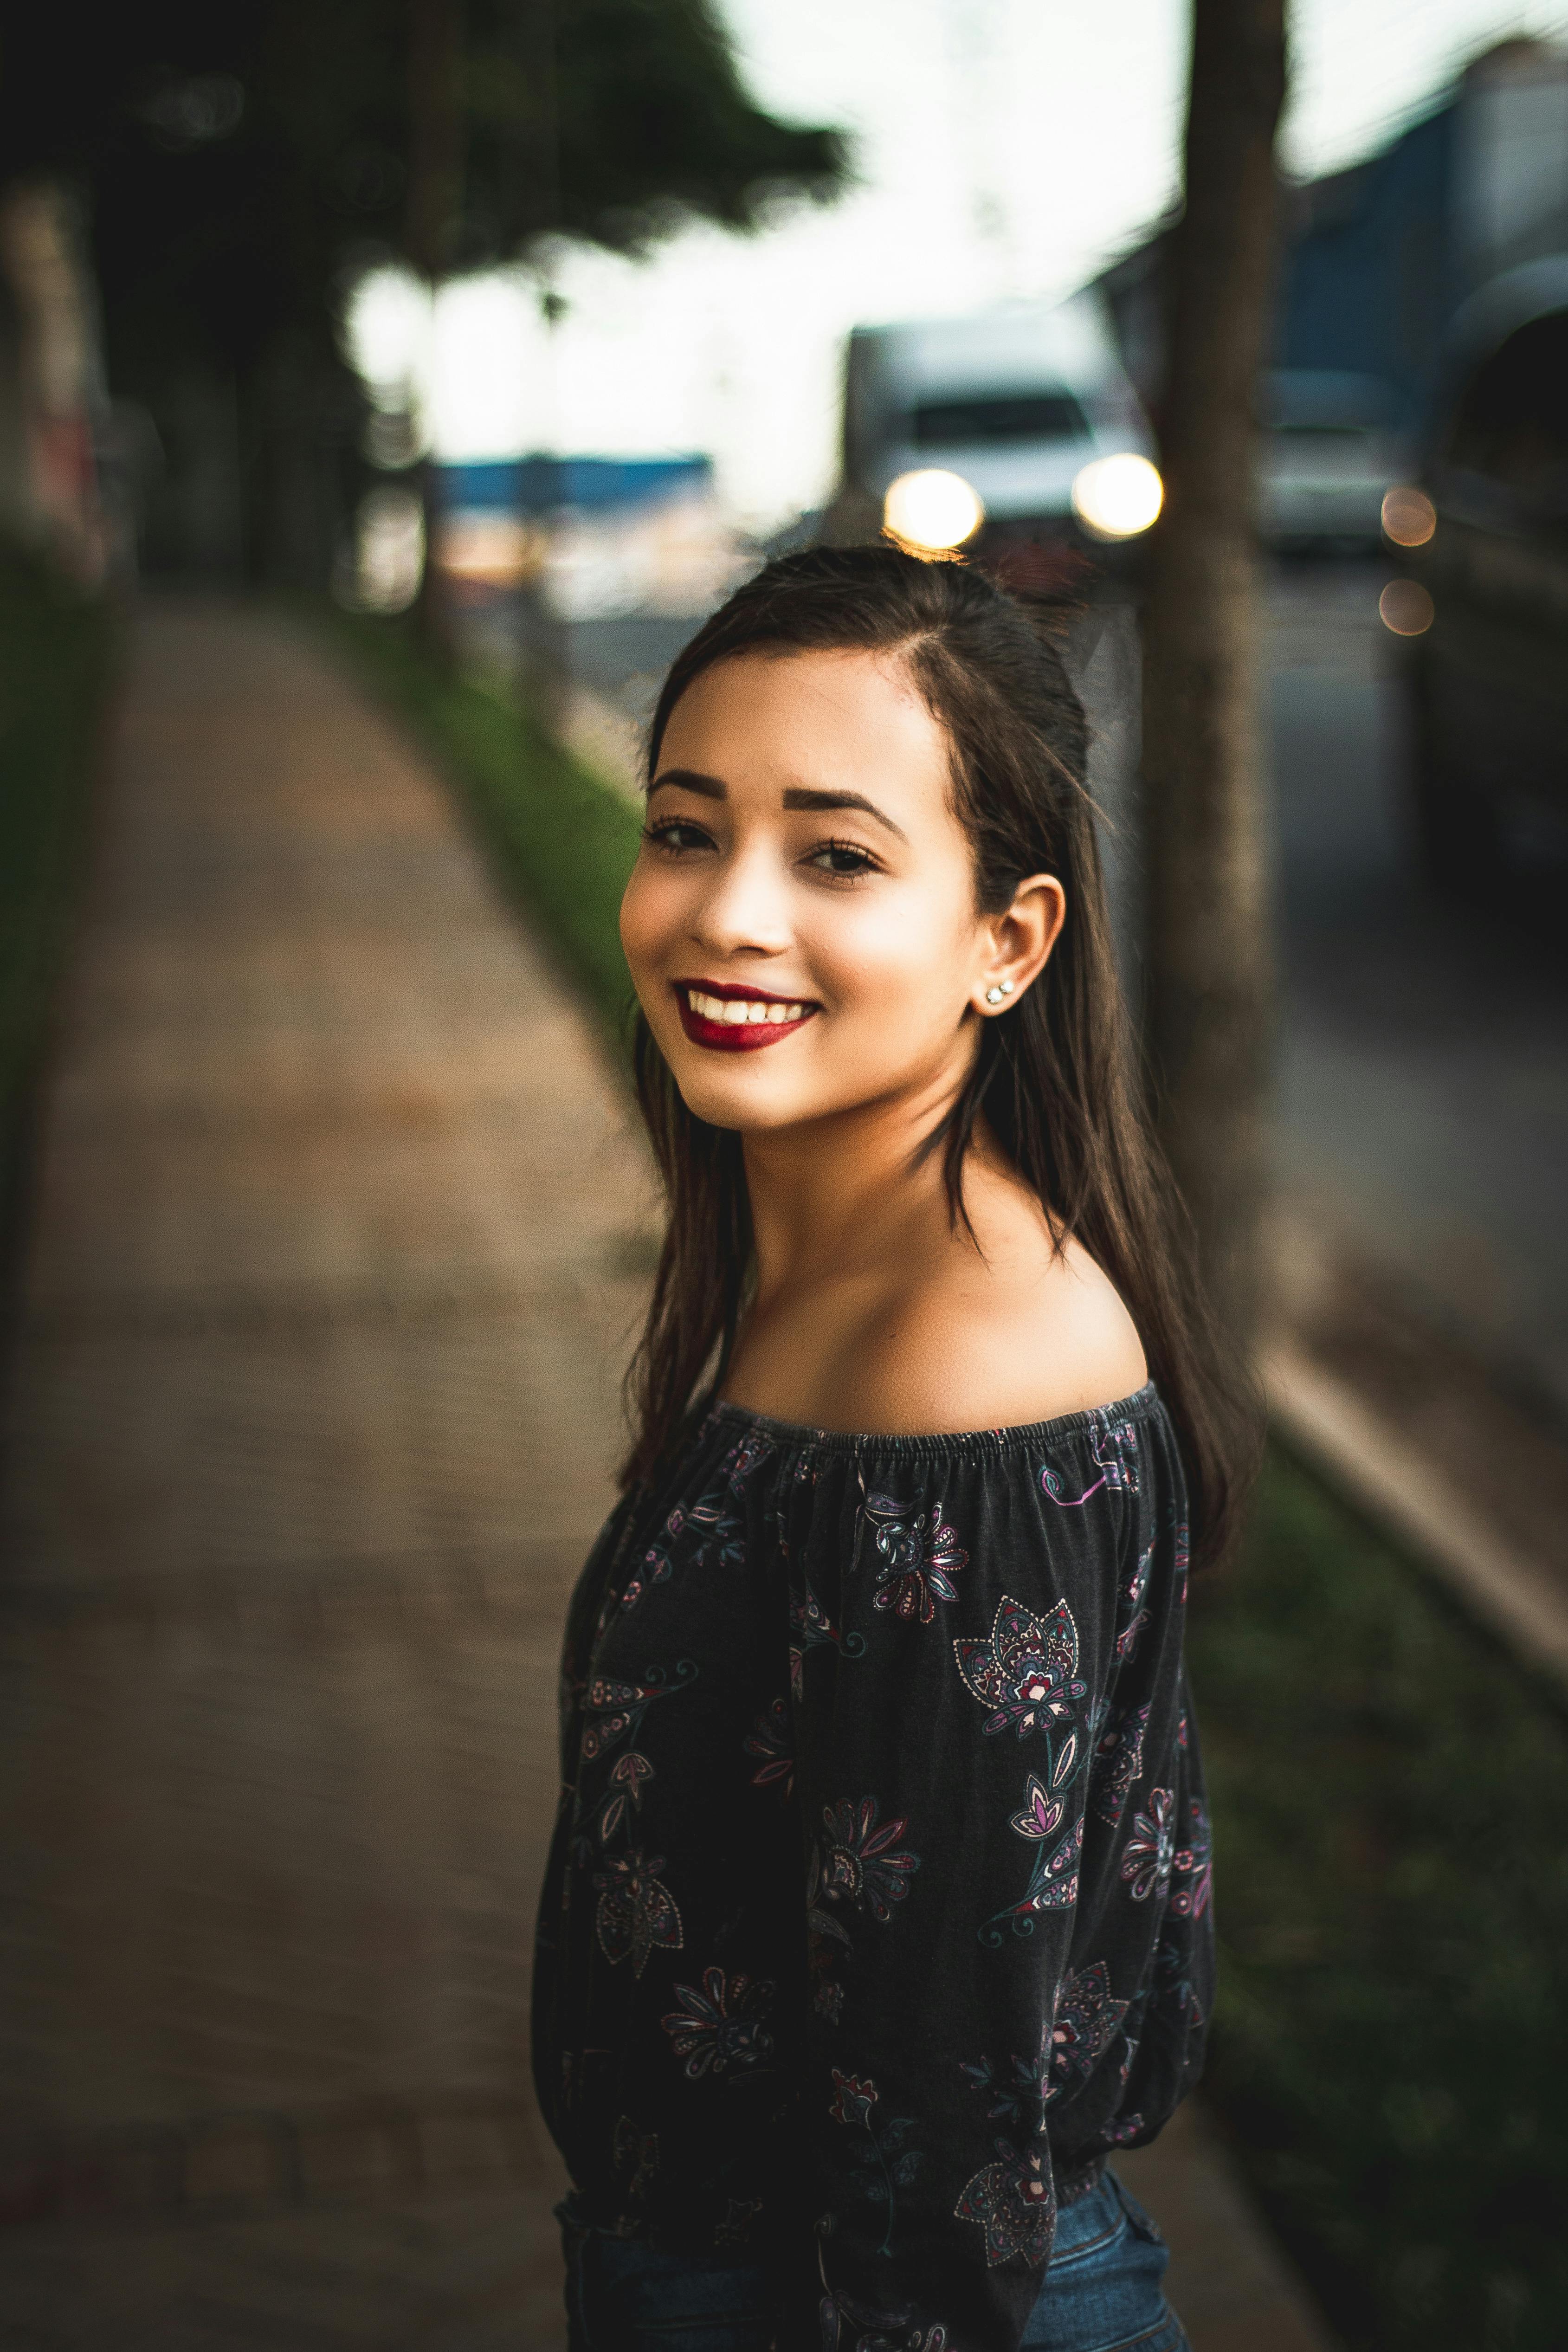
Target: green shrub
pixel 1391 2042
pixel 562 840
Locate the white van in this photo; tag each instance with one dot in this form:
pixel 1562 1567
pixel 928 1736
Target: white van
pixel 1022 405
pixel 1328 459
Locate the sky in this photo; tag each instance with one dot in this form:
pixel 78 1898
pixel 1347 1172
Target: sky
pixel 1003 149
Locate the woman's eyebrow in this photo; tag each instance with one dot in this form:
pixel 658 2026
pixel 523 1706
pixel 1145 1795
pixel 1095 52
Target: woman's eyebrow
pixel 709 787
pixel 798 797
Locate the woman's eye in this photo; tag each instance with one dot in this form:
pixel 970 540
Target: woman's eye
pixel 676 835
pixel 842 859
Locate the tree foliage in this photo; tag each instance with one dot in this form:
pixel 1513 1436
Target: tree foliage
pixel 238 159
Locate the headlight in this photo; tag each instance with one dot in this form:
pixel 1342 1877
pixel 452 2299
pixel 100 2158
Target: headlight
pixel 1405 607
pixel 1409 517
pixel 933 510
pixel 1117 497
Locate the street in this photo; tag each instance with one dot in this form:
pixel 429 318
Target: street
pixel 1423 1046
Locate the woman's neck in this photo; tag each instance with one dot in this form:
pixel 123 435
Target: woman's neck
pixel 844 1194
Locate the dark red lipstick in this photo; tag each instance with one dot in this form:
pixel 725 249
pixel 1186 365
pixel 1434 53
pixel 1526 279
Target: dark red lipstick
pixel 722 1033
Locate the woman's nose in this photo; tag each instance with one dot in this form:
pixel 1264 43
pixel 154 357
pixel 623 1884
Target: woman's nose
pixel 744 905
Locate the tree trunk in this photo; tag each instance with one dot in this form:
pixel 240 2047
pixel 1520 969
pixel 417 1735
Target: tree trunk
pixel 435 209
pixel 435 133
pixel 1209 970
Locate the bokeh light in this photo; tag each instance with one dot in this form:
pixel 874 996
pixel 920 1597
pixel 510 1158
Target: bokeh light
pixel 1117 498
pixel 1407 608
pixel 387 327
pixel 384 562
pixel 932 509
pixel 1409 517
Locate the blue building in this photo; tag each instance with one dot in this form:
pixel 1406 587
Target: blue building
pixel 1374 260
pixel 1370 272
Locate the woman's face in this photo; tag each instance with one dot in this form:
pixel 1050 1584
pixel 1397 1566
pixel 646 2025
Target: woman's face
pixel 800 923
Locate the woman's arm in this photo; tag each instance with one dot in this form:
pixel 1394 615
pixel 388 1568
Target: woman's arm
pixel 957 1657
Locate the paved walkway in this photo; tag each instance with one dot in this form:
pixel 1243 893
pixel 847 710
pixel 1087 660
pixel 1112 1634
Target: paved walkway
pixel 311 1408
pixel 310 1417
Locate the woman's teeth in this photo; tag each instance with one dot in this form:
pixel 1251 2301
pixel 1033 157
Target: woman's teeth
pixel 734 1011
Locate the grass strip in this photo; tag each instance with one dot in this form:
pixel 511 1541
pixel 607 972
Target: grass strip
pixel 1391 2040
pixel 57 667
pixel 561 839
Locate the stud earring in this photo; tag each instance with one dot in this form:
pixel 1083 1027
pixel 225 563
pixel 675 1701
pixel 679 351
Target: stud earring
pixel 1003 989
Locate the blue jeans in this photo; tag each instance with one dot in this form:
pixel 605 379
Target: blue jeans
pixel 1104 2290
pixel 1102 2293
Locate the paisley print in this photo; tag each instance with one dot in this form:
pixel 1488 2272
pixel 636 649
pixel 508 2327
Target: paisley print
pixel 1014 2202
pixel 810 1628
pixel 636 1910
pixel 857 1862
pixel 1027 1674
pixel 1114 1444
pixel 719 2027
pixel 614 1708
pixel 887 2163
pixel 1135 1616
pixel 847 2322
pixel 627 1775
pixel 1021 2093
pixel 1149 1855
pixel 1084 2026
pixel 1053 1882
pixel 771 1739
pixel 707 1531
pixel 854 1867
pixel 918 1557
pixel 852 2098
pixel 1193 1867
pixel 1118 1761
pixel 1114 1450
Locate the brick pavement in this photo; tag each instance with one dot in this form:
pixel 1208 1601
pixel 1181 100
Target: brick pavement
pixel 311 1410
pixel 310 1413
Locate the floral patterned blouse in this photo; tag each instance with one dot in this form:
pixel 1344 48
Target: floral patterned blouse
pixel 877 1908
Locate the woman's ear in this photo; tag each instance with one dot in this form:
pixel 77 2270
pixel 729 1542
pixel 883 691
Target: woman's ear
pixel 1019 941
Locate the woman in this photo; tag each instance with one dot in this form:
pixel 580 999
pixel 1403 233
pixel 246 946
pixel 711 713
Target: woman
pixel 877 1911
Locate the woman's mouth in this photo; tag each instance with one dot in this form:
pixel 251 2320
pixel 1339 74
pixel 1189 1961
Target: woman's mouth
pixel 730 1020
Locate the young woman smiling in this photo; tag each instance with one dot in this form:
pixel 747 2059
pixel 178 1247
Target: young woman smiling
pixel 877 1911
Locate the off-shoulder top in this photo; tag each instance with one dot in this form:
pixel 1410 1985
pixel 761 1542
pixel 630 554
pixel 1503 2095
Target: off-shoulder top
pixel 877 1908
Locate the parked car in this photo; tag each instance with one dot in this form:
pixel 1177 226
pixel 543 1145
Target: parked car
pixel 1485 617
pixel 1327 458
pixel 1015 433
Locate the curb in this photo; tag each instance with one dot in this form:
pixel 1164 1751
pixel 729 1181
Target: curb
pixel 1410 1497
pixel 1230 2282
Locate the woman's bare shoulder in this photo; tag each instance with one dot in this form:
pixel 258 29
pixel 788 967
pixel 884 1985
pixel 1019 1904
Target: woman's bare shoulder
pixel 976 1345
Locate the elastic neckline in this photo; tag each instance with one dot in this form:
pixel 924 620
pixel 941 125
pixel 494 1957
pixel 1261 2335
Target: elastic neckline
pixel 1140 1406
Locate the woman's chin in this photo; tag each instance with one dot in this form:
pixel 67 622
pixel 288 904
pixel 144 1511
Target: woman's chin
pixel 741 1096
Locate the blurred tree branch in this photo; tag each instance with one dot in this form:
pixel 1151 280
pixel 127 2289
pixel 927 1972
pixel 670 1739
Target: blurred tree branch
pixel 240 161
pixel 1209 963
pixel 435 141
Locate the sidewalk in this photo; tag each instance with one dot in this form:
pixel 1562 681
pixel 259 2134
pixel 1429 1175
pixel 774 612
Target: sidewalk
pixel 311 1417
pixel 311 1411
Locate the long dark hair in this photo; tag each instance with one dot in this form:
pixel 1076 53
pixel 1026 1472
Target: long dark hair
pixel 1056 1074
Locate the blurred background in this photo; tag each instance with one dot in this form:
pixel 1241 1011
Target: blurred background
pixel 386 392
